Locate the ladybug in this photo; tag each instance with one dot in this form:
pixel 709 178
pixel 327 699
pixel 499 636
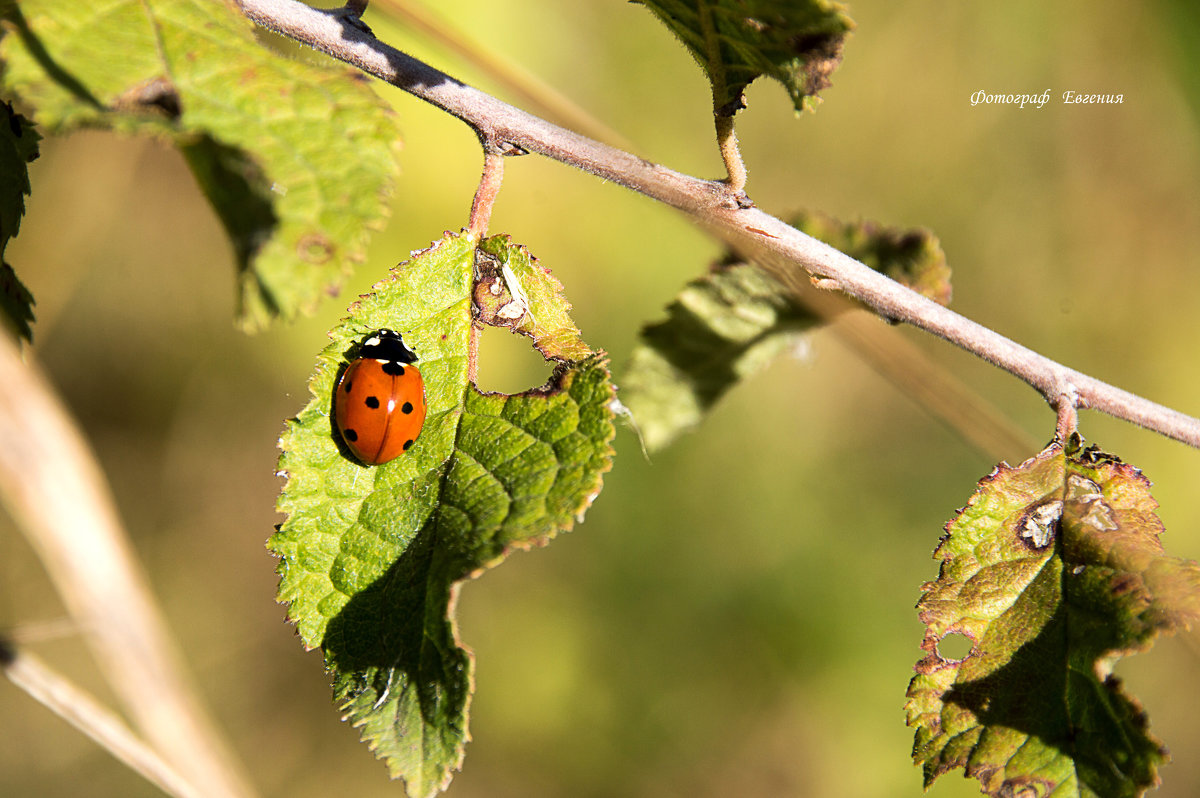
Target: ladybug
pixel 379 403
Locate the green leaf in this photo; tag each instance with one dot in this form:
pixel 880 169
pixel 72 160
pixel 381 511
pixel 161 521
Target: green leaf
pixel 730 323
pixel 18 147
pixel 1051 573
pixel 513 290
pixel 912 257
pixel 297 159
pixel 372 556
pixel 721 329
pixel 798 43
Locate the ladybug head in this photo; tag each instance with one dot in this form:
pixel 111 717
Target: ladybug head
pixel 386 345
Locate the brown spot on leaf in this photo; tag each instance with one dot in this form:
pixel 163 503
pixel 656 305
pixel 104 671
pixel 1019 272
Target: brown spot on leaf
pixel 822 52
pixel 156 94
pixel 315 248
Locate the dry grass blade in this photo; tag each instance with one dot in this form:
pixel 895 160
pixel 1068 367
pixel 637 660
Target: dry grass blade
pixel 55 491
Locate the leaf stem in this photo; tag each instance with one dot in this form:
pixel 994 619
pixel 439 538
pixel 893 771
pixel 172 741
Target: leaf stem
pixel 473 353
pixel 486 193
pixel 730 153
pixel 789 255
pixel 481 214
pixel 723 112
pixel 1068 417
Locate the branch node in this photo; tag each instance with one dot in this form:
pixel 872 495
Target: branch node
pixel 740 200
pixel 351 14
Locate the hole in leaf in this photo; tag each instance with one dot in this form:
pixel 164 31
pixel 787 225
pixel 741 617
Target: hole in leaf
pixel 508 363
pixel 954 646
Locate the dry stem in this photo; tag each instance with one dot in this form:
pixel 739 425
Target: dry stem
pixel 55 491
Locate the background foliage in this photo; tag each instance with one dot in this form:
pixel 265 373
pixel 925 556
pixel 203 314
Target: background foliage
pixel 736 615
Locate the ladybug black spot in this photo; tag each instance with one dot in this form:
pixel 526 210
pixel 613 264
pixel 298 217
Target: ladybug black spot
pixel 407 444
pixel 372 402
pixel 407 408
pixel 350 435
pixel 393 368
pixel 348 384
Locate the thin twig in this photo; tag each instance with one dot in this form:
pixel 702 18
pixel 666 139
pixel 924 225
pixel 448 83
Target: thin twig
pixel 789 255
pixel 86 714
pixel 55 491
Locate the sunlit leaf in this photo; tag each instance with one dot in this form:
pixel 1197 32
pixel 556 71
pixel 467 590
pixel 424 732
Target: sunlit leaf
pixel 513 290
pixel 372 556
pixel 798 43
pixel 297 159
pixel 1051 573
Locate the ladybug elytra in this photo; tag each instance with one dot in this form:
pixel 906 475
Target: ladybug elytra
pixel 379 403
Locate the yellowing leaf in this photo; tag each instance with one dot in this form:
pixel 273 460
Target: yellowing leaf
pixel 1051 572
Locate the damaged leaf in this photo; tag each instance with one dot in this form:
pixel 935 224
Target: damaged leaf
pixel 372 557
pixel 798 44
pixel 1053 571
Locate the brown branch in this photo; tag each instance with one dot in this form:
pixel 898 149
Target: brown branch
pixel 789 255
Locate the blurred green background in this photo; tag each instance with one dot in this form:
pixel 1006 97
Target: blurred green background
pixel 736 615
